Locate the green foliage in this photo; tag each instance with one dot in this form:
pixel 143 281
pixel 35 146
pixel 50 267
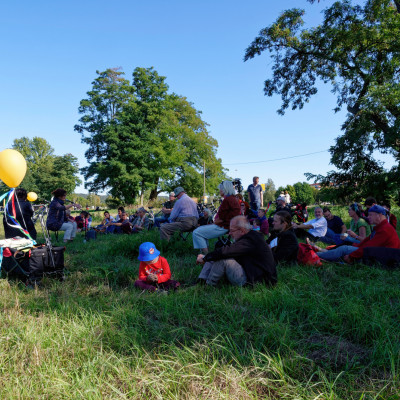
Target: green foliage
pixel 269 193
pixel 355 49
pixel 46 171
pixel 304 193
pixel 321 333
pixel 142 138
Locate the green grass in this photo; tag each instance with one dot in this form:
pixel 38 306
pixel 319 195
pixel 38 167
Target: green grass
pixel 321 333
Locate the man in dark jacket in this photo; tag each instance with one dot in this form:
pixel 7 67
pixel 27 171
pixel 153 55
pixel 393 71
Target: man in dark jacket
pixel 247 261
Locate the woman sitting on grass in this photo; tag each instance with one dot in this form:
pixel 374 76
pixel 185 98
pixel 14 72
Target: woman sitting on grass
pixel 154 272
pixel 283 241
pixel 359 228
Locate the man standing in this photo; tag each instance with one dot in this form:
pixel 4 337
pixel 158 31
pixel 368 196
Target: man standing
pixel 313 229
pixel 248 260
pixel 184 215
pixel 255 194
pixel 166 210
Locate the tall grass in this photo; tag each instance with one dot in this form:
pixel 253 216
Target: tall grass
pixel 321 333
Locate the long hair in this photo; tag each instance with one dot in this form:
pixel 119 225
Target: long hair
pixel 227 188
pixel 285 218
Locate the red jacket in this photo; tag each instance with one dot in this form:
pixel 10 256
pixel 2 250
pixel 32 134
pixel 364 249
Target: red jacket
pixel 229 208
pixel 160 268
pixel 383 235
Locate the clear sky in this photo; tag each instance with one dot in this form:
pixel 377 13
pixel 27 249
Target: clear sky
pixel 50 52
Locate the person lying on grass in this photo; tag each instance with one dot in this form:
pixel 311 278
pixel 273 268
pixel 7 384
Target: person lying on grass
pixel 247 261
pixel 383 235
pixel 154 272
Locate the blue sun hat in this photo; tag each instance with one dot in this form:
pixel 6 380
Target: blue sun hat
pixel 148 251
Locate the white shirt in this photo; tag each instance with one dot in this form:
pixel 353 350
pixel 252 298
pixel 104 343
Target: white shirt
pixel 319 227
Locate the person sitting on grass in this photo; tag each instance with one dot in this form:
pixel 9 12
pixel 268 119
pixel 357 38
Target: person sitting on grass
pixel 359 227
pixel 120 211
pixel 106 220
pixel 141 222
pixel 283 241
pixel 247 261
pixel 383 235
pixel 314 229
pixel 121 226
pixel 368 203
pixel 391 217
pixel 154 271
pixel 280 206
pixel 336 228
pixel 260 224
pixel 82 221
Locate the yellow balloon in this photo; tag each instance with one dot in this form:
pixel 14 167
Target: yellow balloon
pixel 32 196
pixel 12 167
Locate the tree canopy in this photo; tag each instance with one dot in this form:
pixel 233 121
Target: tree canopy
pixel 46 171
pixel 356 50
pixel 142 137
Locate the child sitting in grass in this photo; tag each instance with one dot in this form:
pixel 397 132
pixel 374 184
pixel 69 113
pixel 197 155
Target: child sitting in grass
pixel 154 272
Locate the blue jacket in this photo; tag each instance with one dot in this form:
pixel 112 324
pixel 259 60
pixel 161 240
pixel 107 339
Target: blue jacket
pixel 56 216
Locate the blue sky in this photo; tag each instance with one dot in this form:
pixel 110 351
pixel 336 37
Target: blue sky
pixel 51 50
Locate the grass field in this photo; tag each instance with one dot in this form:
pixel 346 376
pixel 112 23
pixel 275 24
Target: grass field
pixel 321 333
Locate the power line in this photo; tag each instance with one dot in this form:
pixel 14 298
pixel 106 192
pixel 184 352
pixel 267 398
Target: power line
pixel 277 159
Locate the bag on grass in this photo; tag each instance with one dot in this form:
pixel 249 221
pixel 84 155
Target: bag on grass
pixel 307 255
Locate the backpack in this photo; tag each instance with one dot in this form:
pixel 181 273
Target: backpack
pixel 307 255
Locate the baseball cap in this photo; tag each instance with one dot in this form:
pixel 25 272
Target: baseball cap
pixel 148 251
pixel 377 209
pixel 281 198
pixel 178 190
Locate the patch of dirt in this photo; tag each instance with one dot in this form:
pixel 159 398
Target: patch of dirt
pixel 336 351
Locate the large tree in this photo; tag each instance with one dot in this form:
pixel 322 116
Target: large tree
pixel 152 139
pixel 356 50
pixel 46 171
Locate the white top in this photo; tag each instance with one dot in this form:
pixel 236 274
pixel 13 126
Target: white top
pixel 320 226
pixel 287 197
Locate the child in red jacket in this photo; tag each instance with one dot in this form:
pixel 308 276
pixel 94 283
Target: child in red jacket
pixel 154 272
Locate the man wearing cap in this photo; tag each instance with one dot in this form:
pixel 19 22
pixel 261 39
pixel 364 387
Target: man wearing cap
pixel 166 210
pixel 383 235
pixel 184 215
pixel 280 206
pixel 255 194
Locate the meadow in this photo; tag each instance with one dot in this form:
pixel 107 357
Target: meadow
pixel 328 332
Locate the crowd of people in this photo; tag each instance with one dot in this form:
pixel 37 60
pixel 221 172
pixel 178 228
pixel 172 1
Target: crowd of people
pixel 250 243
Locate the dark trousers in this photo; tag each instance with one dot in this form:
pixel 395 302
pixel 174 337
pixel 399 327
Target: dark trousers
pixel 151 287
pixel 302 234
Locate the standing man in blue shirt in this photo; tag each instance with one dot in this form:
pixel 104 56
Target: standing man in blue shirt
pixel 184 215
pixel 255 194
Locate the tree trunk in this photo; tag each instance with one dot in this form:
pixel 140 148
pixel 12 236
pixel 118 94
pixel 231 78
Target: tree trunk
pixel 154 191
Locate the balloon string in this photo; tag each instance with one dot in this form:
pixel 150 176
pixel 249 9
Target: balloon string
pixel 15 223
